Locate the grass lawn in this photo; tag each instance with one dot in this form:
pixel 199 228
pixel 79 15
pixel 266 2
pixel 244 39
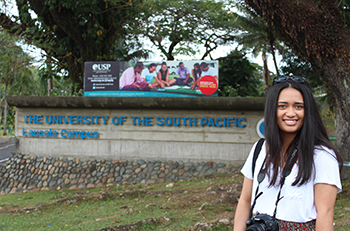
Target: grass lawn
pixel 183 205
pixel 169 206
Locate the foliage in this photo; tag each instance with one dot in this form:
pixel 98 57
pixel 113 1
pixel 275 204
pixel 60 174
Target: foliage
pixel 19 77
pixel 328 118
pixel 320 33
pixel 14 70
pixel 13 61
pixel 179 26
pixel 59 82
pixel 72 32
pixel 239 77
pixel 299 66
pixel 64 88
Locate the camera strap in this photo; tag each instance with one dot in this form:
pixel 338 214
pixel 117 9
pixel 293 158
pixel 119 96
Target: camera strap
pixel 256 153
pixel 286 171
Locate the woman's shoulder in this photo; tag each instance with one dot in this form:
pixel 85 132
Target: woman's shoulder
pixel 326 167
pixel 323 152
pixel 323 149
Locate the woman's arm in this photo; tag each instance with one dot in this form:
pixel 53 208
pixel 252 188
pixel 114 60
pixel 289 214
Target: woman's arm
pixel 325 196
pixel 167 76
pixel 159 79
pixel 243 207
pixel 194 79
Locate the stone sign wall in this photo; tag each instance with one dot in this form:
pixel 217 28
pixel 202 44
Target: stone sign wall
pixel 24 172
pixel 85 142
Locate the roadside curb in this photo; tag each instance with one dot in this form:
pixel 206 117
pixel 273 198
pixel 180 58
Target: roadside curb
pixel 6 139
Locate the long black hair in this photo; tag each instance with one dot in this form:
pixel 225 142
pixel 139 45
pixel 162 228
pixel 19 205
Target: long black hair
pixel 311 134
pixel 198 71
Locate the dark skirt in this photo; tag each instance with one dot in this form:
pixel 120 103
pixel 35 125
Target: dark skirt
pixel 294 226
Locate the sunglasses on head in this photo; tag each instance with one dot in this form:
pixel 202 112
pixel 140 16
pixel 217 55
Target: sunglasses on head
pixel 282 79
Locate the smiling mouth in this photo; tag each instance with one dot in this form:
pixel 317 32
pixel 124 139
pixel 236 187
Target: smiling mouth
pixel 291 122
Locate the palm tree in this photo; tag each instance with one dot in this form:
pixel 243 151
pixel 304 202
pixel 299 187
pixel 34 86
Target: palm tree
pixel 258 37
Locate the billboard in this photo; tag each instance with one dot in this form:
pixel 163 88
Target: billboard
pixel 152 79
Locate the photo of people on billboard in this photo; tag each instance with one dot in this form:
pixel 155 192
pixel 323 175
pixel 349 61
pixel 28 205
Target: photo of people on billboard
pixel 165 78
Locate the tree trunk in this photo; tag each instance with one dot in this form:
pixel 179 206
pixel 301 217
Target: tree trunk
pixel 5 110
pixel 169 54
pixel 274 60
pixel 343 135
pixel 272 40
pixel 336 76
pixel 48 87
pixel 266 72
pixel 0 106
pixel 315 29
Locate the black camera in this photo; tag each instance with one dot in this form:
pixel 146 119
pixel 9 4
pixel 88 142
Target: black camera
pixel 262 222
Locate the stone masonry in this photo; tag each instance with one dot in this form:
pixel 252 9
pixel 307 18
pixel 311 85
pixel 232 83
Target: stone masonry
pixel 34 173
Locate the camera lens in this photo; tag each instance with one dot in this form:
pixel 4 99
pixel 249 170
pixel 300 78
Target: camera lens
pixel 257 227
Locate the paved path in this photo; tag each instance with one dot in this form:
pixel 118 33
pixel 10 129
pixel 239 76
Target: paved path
pixel 6 147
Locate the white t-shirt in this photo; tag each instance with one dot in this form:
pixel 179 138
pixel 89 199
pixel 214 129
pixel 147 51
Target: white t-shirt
pixel 297 204
pixel 148 76
pixel 211 71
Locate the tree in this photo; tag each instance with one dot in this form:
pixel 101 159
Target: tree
pixel 319 31
pixel 74 31
pixel 239 77
pixel 14 65
pixel 258 37
pixel 172 25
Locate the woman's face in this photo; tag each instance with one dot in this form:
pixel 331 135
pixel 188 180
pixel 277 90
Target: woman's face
pixel 290 111
pixel 164 67
pixel 196 68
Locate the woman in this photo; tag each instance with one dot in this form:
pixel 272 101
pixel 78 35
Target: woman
pixel 131 78
pixel 292 125
pixel 196 73
pixel 163 76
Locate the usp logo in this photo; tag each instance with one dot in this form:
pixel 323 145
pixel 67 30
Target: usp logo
pixel 101 66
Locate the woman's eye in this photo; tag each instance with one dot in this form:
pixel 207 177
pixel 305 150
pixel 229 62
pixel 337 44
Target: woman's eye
pixel 282 106
pixel 299 107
